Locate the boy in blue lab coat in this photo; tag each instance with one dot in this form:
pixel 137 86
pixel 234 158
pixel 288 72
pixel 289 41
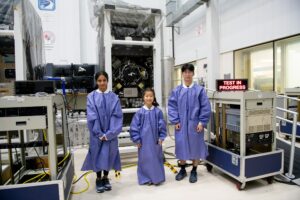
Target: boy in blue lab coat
pixel 189 110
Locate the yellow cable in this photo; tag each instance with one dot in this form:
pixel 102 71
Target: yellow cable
pixel 117 175
pixel 172 168
pixel 42 178
pixel 37 176
pixel 74 178
pixel 45 135
pixel 68 153
pixel 85 189
pixel 41 174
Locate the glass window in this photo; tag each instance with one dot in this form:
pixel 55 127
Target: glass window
pixel 200 73
pixel 177 76
pixel 287 65
pixel 256 65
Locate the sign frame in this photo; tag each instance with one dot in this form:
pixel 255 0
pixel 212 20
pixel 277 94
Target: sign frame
pixel 223 85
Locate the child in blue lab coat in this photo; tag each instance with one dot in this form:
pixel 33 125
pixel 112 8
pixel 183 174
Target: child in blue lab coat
pixel 148 131
pixel 104 120
pixel 189 110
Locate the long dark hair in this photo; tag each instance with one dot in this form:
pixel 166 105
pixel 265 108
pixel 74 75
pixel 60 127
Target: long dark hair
pixel 103 73
pixel 151 90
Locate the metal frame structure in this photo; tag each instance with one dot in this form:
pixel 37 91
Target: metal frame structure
pixel 176 15
pixel 109 41
pixel 46 122
pixel 243 167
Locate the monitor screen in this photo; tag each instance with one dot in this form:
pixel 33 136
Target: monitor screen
pixel 32 87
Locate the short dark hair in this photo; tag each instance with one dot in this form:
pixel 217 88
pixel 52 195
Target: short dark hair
pixel 103 73
pixel 187 66
pixel 151 90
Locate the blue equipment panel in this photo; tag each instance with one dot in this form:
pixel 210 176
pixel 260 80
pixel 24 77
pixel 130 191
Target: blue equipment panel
pixel 45 192
pixel 287 127
pixel 224 160
pixel 263 164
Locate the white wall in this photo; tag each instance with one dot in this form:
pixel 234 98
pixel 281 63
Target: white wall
pixel 246 23
pixel 190 37
pixel 242 24
pixel 226 64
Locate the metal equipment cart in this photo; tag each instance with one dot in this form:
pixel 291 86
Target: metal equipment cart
pixel 244 128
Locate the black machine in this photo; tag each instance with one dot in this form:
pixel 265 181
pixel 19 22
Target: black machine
pixel 132 73
pixel 32 87
pixel 10 73
pixel 76 76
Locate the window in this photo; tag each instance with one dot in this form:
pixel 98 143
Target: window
pixel 256 65
pixel 200 73
pixel 287 63
pixel 177 76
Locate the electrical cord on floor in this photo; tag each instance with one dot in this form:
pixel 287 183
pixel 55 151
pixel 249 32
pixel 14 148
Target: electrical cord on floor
pixel 86 173
pixel 173 157
pixel 84 176
pixel 284 182
pixel 86 180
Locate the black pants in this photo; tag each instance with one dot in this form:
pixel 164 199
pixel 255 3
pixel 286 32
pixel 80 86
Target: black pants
pixel 99 174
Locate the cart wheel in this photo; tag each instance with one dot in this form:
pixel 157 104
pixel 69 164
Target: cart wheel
pixel 240 186
pixel 209 167
pixel 287 137
pixel 270 179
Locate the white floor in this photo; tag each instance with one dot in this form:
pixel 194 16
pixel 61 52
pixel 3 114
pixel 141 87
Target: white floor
pixel 213 185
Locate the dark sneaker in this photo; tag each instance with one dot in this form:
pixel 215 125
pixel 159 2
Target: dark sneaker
pixel 99 186
pixel 107 185
pixel 193 177
pixel 182 173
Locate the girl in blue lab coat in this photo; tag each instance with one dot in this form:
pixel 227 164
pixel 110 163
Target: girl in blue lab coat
pixel 189 110
pixel 104 120
pixel 148 131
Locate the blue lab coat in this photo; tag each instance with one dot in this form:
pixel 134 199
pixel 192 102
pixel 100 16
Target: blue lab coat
pixel 189 106
pixel 147 127
pixel 104 117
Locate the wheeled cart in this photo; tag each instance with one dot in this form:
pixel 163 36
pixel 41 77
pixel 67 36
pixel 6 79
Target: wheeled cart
pixel 242 140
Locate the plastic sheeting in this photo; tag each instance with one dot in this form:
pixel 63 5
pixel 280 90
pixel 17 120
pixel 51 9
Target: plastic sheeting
pixel 96 8
pixel 127 21
pixel 33 36
pixel 32 30
pixel 6 14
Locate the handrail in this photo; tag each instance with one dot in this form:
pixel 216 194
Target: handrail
pixel 290 174
pixel 285 110
pixel 287 97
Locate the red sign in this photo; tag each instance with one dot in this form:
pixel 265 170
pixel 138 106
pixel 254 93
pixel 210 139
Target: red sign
pixel 232 85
